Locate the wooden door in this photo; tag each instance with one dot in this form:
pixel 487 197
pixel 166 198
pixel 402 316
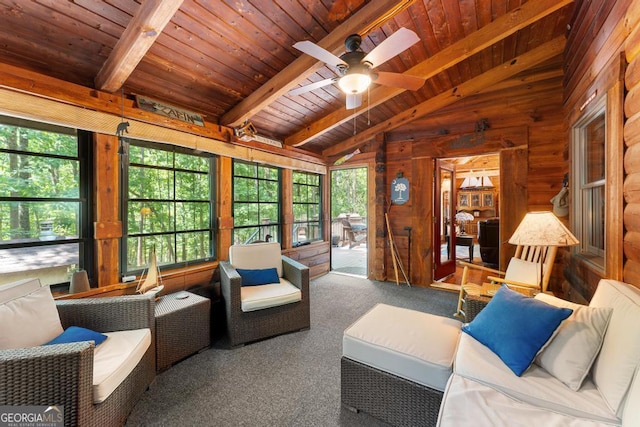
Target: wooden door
pixel 444 230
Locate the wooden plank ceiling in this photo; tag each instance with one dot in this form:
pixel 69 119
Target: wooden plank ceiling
pixel 233 60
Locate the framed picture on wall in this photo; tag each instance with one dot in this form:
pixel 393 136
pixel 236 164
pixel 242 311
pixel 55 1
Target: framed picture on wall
pixel 463 200
pixel 475 199
pixel 487 199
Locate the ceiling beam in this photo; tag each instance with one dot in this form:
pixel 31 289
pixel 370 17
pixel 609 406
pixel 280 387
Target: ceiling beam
pixel 486 36
pixel 137 38
pixel 470 87
pixel 372 15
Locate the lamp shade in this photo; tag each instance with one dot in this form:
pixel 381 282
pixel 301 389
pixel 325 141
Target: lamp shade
pixel 79 282
pixel 354 83
pixel 464 216
pixel 542 229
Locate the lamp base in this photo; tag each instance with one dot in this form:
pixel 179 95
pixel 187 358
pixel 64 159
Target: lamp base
pixel 79 282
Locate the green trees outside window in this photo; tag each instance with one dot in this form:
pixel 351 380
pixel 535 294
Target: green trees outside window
pixel 349 191
pixel 168 205
pixel 44 184
pixel 307 207
pixel 256 203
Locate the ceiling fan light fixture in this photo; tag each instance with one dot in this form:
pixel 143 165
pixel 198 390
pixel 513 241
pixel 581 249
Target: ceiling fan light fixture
pixel 353 83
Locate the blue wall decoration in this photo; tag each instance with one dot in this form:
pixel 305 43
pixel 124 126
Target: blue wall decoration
pixel 400 191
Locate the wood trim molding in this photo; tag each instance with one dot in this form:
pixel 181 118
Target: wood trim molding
pixel 37 108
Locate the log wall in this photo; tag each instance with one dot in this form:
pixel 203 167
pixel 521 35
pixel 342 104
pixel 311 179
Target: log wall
pixel 605 37
pixel 631 189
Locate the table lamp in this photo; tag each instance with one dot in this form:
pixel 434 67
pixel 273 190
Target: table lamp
pixel 543 229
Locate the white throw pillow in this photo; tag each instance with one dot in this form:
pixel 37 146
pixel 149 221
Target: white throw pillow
pixel 28 315
pixel 570 354
pixel 523 271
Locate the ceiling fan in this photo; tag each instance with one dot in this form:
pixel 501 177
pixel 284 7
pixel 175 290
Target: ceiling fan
pixel 355 67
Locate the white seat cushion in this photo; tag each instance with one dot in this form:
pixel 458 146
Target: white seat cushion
pixel 523 271
pixel 116 358
pixel 265 296
pixel 536 386
pixel 467 403
pixel 619 356
pixel 417 346
pixel 28 315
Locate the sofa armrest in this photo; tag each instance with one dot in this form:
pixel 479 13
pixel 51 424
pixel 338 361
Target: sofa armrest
pixel 59 374
pixel 230 284
pixel 110 313
pixel 296 273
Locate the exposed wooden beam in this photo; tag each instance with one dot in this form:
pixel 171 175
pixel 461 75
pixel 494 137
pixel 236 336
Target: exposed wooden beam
pixel 486 36
pixel 140 34
pixel 371 16
pixel 470 87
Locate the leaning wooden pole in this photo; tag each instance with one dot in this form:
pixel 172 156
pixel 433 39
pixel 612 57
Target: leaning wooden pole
pixel 399 261
pixel 391 246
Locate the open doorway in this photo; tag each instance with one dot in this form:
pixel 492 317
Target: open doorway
pixel 474 202
pixel 349 220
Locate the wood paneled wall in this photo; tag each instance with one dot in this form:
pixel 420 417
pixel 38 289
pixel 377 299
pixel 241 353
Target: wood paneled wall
pixel 528 117
pixel 603 37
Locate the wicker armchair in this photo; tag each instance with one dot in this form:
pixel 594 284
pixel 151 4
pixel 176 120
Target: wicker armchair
pixel 63 374
pixel 244 327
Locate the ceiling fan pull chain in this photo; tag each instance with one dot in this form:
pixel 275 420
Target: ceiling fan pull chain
pixel 355 114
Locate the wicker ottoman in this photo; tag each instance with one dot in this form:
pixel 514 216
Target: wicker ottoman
pixel 183 327
pixel 396 363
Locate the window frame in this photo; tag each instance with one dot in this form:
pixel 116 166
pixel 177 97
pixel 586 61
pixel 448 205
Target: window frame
pixel 125 200
pixel 84 157
pixel 308 222
pixel 267 228
pixel 583 190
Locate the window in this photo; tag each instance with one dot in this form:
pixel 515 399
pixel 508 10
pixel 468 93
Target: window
pixel 589 142
pixel 307 207
pixel 256 203
pixel 44 207
pixel 168 206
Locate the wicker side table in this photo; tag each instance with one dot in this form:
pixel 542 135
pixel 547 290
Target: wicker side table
pixel 183 327
pixel 476 298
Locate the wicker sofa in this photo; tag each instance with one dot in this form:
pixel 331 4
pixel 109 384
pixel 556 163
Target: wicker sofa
pixel 584 382
pixel 63 374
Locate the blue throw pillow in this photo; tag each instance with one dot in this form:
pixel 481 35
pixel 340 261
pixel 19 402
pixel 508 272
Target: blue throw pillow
pixel 258 277
pixel 78 334
pixel 515 327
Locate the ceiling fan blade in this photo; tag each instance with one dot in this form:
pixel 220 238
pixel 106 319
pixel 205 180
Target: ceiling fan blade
pixel 403 81
pixel 317 52
pixel 398 42
pixel 354 100
pixel 311 86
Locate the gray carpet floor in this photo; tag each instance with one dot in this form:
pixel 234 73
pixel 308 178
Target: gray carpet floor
pixel 289 380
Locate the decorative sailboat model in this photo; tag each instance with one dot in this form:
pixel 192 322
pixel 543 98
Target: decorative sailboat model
pixel 152 283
